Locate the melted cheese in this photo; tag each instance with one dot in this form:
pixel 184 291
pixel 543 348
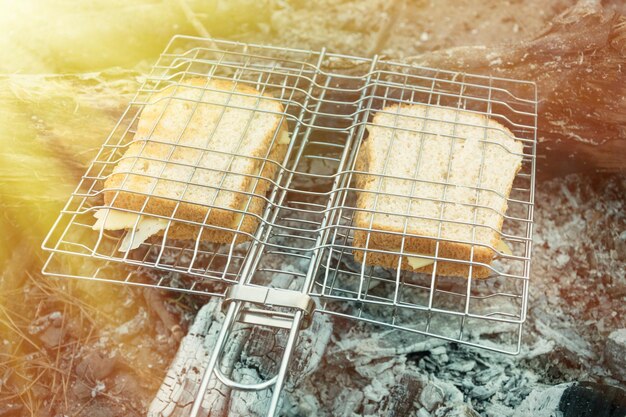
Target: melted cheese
pixel 503 247
pixel 107 219
pixel 113 220
pixel 417 263
pixel 145 228
pixel 118 220
pixel 238 217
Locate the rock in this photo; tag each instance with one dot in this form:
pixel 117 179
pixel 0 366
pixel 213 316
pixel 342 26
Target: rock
pixel 431 397
pixel 41 323
pixel 52 337
pixel 128 383
pixel 94 366
pixel 49 329
pixel 81 390
pixel 615 353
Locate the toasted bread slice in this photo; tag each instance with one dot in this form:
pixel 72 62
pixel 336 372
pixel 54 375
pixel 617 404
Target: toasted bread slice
pixel 435 173
pixel 204 151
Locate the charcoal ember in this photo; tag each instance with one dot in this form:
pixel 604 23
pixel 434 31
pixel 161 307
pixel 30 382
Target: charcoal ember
pixel 313 342
pixel 134 326
pixel 127 382
pixel 348 402
pixel 483 392
pixel 422 412
pixel 543 401
pixel 239 405
pixel 180 385
pixel 381 376
pixel 105 408
pixel 572 309
pixel 497 410
pixel 257 363
pixel 590 399
pixel 415 392
pixel 615 353
pixel 458 410
pixel 431 397
pixel 251 355
pixel 462 366
pixel 362 346
pixel 403 396
pixel 575 399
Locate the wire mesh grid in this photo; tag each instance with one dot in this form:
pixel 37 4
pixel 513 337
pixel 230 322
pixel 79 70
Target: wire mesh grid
pixel 304 228
pixel 377 269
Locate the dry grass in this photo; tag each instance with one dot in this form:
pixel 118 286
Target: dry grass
pixel 34 368
pixel 40 376
pixel 37 171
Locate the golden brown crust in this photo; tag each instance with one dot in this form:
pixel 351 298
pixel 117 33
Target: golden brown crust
pixel 250 222
pixel 381 239
pixel 116 196
pixel 387 242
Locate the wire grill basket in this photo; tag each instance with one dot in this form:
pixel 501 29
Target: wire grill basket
pixel 306 229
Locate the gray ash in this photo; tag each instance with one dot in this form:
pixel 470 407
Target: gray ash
pixel 576 301
pixel 572 342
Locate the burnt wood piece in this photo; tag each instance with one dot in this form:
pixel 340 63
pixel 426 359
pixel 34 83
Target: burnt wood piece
pixel 579 65
pixel 251 355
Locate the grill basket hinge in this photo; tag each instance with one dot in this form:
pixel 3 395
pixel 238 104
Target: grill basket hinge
pixel 270 297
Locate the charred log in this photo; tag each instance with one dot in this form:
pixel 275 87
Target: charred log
pixel 579 65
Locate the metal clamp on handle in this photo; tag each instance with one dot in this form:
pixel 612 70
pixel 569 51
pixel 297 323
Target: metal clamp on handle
pixel 234 310
pixel 270 297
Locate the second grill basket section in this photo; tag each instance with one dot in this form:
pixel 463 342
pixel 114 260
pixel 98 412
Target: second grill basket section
pixel 415 240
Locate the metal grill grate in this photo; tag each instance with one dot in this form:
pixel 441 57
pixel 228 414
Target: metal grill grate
pixel 445 307
pixel 306 229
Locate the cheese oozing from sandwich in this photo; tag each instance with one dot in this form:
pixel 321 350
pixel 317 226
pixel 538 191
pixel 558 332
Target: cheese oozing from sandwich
pixel 139 228
pixel 145 227
pixel 416 263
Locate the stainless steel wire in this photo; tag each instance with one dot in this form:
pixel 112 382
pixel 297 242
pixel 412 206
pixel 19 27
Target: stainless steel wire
pixel 308 217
